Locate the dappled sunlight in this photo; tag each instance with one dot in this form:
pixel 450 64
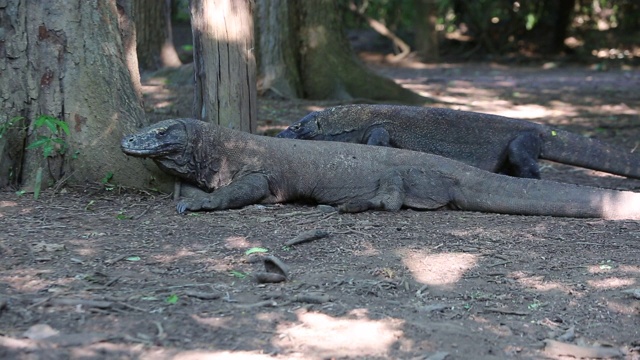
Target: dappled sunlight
pixel 8 205
pixel 611 283
pixel 215 355
pixel 213 322
pixel 4 204
pixel 220 26
pixel 325 336
pixel 607 268
pixel 621 308
pixel 31 281
pixel 540 283
pixel 442 269
pixel 238 242
pixel 175 255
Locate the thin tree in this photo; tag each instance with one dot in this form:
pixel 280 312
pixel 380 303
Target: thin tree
pixel 224 64
pixel 426 17
pixel 154 34
pixel 324 63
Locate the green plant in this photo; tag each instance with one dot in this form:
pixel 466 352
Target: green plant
pixel 48 143
pixel 54 140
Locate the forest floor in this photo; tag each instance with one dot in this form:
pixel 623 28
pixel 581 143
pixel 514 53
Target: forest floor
pixel 102 272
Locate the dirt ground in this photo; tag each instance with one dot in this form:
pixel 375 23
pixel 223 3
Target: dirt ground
pixel 102 272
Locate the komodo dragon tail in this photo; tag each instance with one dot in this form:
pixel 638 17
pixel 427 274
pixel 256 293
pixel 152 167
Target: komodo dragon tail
pixel 573 149
pixel 521 196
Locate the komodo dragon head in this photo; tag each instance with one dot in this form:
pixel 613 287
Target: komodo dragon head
pixel 337 123
pixel 171 144
pixel 307 128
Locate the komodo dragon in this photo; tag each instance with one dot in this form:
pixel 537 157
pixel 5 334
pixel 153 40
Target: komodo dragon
pixel 493 143
pixel 242 169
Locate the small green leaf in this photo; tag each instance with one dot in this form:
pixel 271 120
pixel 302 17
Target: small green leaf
pixel 42 140
pixel 238 274
pixel 133 258
pixel 554 133
pixel 20 192
pixel 107 177
pixel 606 267
pixel 63 125
pixel 172 299
pixel 47 150
pixel 255 250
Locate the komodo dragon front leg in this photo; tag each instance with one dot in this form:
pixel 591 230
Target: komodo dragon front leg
pixel 522 155
pixel 246 190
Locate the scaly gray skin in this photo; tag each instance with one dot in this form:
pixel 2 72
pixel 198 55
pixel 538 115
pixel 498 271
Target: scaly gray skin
pixel 239 169
pixel 493 143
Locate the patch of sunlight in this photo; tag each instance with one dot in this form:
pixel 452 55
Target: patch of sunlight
pixel 4 204
pixel 538 283
pixel 175 255
pixel 213 322
pixel 33 280
pixel 611 283
pixel 443 269
pixel 529 111
pixel 601 268
pixel 218 25
pixel 627 309
pixel 217 355
pixel 237 242
pixel 328 337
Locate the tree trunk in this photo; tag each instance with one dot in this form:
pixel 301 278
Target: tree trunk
pixel 73 60
pixel 425 26
pixel 224 64
pixel 277 46
pixel 562 10
pixel 329 68
pixel 154 36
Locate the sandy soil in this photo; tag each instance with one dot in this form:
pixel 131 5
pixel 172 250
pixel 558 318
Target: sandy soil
pixel 102 272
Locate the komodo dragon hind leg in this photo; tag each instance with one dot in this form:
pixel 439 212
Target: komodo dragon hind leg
pixel 379 137
pixel 389 196
pixel 522 156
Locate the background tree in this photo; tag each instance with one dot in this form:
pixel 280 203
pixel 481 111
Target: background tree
pixel 277 48
pixel 426 19
pixel 224 63
pixel 154 35
pixel 327 67
pixel 73 61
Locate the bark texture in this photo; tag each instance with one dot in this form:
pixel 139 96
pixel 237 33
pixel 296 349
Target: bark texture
pixel 74 60
pixel 329 68
pixel 154 35
pixel 224 64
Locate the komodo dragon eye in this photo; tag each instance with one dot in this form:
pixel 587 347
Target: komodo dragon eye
pixel 295 127
pixel 161 132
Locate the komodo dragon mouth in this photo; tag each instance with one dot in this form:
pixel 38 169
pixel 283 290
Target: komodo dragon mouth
pixel 164 139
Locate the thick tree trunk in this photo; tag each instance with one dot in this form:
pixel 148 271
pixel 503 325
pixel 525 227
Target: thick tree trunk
pixel 425 26
pixel 74 60
pixel 224 63
pixel 328 66
pixel 154 35
pixel 277 46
